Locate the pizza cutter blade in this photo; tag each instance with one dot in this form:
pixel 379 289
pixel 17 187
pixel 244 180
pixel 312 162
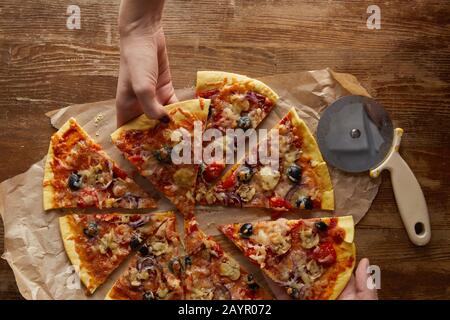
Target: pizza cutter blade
pixel 355 134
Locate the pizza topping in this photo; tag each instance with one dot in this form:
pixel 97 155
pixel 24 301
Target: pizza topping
pixel 100 175
pixel 187 261
pixel 279 244
pixel 119 188
pixel 258 254
pixel 162 292
pixel 229 181
pixel 251 283
pixel 230 268
pixel 135 241
pixel 136 277
pixel 75 181
pixel 159 247
pixel 176 135
pixel 244 122
pixel 109 242
pixel 91 230
pixel 321 226
pixel 246 192
pixel 304 203
pixel 294 173
pixel 308 238
pixel 269 178
pixel 148 295
pixel 279 203
pixel 212 171
pixel 239 102
pixel 144 250
pixel 246 230
pixel 184 177
pixel 244 174
pixel 293 292
pixel 325 253
pixel 221 293
pixel 164 155
pixel 175 266
pixel 146 263
pixel 139 222
pixel 314 270
pixel 201 293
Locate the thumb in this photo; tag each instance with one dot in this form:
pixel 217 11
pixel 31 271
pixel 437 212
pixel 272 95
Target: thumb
pixel 150 105
pixel 362 275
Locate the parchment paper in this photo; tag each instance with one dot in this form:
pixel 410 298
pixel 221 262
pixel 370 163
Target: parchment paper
pixel 33 246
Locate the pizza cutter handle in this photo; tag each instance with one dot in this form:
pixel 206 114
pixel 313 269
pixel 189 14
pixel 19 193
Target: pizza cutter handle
pixel 408 194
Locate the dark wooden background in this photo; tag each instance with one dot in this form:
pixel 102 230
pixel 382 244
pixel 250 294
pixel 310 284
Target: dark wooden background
pixel 405 65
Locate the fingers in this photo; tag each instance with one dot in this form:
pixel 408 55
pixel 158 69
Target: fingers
pixel 362 280
pixel 127 106
pixel 362 275
pixel 350 290
pixel 164 86
pixel 146 96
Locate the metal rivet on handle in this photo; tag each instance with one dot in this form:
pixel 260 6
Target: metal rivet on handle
pixel 355 133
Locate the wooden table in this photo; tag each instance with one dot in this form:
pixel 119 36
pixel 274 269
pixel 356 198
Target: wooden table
pixel 405 65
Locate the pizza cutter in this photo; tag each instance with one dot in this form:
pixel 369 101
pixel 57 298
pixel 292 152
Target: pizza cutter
pixel 355 134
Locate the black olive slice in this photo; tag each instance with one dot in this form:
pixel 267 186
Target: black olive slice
pixel 74 181
pixel 246 230
pixel 294 173
pixel 91 230
pixel 321 226
pixel 304 203
pixel 244 122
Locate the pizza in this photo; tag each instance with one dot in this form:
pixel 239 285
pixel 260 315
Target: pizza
pixel 148 144
pixel 300 181
pixel 155 271
pixel 237 102
pixel 96 244
pixel 79 174
pixel 311 258
pixel 211 274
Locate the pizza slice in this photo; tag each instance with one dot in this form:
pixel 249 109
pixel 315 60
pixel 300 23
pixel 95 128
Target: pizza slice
pixel 237 102
pixel 96 244
pixel 300 179
pixel 79 174
pixel 156 270
pixel 150 145
pixel 211 274
pixel 311 258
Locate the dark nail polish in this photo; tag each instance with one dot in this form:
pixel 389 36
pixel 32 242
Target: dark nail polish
pixel 165 119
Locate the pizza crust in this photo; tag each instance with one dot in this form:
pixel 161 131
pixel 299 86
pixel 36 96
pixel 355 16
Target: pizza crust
pixel 48 190
pixel 310 148
pixel 68 236
pixel 344 277
pixel 346 223
pixel 198 107
pixel 207 80
pixel 108 297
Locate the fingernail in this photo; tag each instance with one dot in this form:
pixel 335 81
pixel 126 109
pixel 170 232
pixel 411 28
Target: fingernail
pixel 165 119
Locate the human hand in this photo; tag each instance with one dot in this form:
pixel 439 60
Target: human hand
pixel 144 83
pixel 356 288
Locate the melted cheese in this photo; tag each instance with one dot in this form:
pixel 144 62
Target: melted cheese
pixel 268 178
pixel 184 177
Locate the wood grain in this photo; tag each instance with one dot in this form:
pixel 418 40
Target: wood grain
pixel 405 65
